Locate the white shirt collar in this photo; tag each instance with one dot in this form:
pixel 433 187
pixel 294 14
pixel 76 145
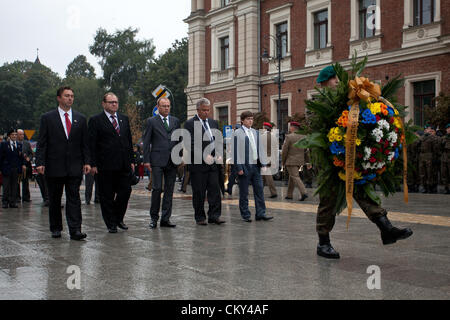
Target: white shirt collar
pixel 110 114
pixel 62 112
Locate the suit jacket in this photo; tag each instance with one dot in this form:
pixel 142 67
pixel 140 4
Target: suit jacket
pixel 291 155
pixel 26 148
pixel 157 140
pixel 62 157
pixel 190 125
pixel 241 148
pixel 10 158
pixel 109 150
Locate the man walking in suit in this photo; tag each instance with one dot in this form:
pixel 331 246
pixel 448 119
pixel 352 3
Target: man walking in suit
pixel 111 149
pixel 204 172
pixel 157 159
pixel 62 154
pixel 12 164
pixel 248 166
pixel 28 155
pixel 293 158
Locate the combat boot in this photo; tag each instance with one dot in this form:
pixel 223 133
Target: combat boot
pixel 389 233
pixel 324 248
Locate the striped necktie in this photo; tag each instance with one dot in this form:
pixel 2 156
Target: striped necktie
pixel 166 124
pixel 115 124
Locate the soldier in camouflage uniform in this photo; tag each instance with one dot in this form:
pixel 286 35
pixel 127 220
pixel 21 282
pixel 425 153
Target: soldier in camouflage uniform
pixel 413 165
pixel 445 160
pixel 429 150
pixel 326 212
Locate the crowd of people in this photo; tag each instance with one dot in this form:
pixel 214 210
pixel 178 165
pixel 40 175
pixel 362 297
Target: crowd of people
pixel 69 147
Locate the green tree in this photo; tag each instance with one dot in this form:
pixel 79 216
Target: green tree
pixel 171 70
pixel 123 58
pixel 13 101
pixel 80 68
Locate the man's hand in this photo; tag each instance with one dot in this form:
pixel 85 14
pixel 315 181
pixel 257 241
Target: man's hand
pixel 209 159
pixel 241 173
pixel 41 169
pixel 148 166
pixel 309 166
pixel 87 169
pixel 132 167
pixel 94 171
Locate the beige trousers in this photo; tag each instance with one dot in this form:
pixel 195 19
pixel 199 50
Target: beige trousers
pixel 295 181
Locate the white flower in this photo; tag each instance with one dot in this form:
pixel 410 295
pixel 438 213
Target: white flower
pixel 392 137
pixel 383 124
pixel 367 153
pixel 391 156
pixel 378 134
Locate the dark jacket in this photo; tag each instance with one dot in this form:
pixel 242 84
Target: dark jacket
pixel 10 158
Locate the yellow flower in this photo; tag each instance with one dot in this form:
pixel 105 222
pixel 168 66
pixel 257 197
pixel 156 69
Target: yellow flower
pixel 356 175
pixel 375 108
pixel 358 142
pixel 338 138
pixel 342 175
pixel 396 112
pixel 397 123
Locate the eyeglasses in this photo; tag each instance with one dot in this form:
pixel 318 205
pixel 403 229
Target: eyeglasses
pixel 112 102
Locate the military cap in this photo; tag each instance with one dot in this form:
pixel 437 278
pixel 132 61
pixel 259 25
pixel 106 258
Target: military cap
pixel 267 124
pixel 447 126
pixel 429 126
pixel 295 123
pixel 326 74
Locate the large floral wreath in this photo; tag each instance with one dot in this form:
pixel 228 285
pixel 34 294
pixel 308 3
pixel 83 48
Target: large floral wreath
pixel 378 141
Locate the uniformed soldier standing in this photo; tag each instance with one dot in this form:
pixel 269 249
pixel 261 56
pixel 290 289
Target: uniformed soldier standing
pixel 429 150
pixel 268 178
pixel 326 213
pixel 292 158
pixel 445 160
pixel 413 165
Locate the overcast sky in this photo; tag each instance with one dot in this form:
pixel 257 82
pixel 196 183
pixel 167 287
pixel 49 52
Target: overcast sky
pixel 64 29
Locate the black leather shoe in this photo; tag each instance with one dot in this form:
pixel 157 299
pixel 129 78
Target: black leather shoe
pixel 14 206
pixel 112 230
pixel 56 234
pixel 288 198
pixel 78 235
pixel 153 224
pixel 389 233
pixel 273 196
pixel 202 223
pixel 167 224
pixel 265 218
pixel 122 226
pixel 303 197
pixel 88 202
pixel 248 220
pixel 327 251
pixel 216 221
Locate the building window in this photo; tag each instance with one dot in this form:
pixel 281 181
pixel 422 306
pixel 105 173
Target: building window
pixel 282 121
pixel 222 116
pixel 367 18
pixel 224 3
pixel 282 34
pixel 423 11
pixel 424 93
pixel 320 29
pixel 224 53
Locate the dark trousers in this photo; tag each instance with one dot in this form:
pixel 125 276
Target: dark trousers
pixel 56 186
pixel 10 187
pixel 89 182
pixel 231 179
pixel 169 173
pixel 114 190
pixel 326 213
pixel 42 183
pixel 206 185
pixel 253 177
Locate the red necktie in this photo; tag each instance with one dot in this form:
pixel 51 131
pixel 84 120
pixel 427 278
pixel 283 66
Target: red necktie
pixel 115 124
pixel 68 124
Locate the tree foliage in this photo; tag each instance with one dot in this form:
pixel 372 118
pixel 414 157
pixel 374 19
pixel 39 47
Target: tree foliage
pixel 80 68
pixel 439 116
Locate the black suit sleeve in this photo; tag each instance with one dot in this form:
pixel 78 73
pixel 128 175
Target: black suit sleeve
pixel 92 131
pixel 85 142
pixel 130 140
pixel 41 148
pixel 147 141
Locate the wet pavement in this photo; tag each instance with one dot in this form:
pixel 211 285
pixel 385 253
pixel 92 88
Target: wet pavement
pixel 261 260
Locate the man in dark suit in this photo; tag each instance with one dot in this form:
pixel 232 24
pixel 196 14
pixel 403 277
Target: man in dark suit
pixel 112 160
pixel 247 163
pixel 12 163
pixel 28 155
pixel 157 159
pixel 62 154
pixel 204 171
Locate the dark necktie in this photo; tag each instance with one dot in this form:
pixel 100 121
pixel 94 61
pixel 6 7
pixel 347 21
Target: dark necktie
pixel 166 125
pixel 68 124
pixel 206 125
pixel 115 124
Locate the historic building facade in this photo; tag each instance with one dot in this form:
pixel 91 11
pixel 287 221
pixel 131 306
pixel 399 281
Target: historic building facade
pixel 227 40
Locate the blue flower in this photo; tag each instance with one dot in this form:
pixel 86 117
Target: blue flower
pixel 390 111
pixel 370 176
pixel 396 154
pixel 368 117
pixel 360 182
pixel 335 148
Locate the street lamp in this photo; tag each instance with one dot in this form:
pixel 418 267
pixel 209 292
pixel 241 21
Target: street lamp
pixel 266 58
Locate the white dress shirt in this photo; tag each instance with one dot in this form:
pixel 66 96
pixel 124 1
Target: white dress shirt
pixel 251 138
pixel 167 119
pixel 111 120
pixel 63 118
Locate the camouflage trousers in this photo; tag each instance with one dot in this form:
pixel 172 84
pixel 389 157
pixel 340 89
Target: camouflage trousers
pixel 326 215
pixel 445 173
pixel 427 171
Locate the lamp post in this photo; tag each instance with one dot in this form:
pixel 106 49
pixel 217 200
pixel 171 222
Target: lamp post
pixel 266 58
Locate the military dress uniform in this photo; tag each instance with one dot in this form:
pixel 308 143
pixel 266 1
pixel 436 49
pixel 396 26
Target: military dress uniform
pixel 428 151
pixel 268 178
pixel 293 158
pixel 413 166
pixel 445 161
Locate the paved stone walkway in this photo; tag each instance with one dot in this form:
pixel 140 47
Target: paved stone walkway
pixel 237 260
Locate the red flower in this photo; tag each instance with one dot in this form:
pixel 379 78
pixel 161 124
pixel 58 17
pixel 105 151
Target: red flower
pixel 378 118
pixel 391 120
pixel 374 150
pixel 386 152
pixel 372 160
pixel 359 155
